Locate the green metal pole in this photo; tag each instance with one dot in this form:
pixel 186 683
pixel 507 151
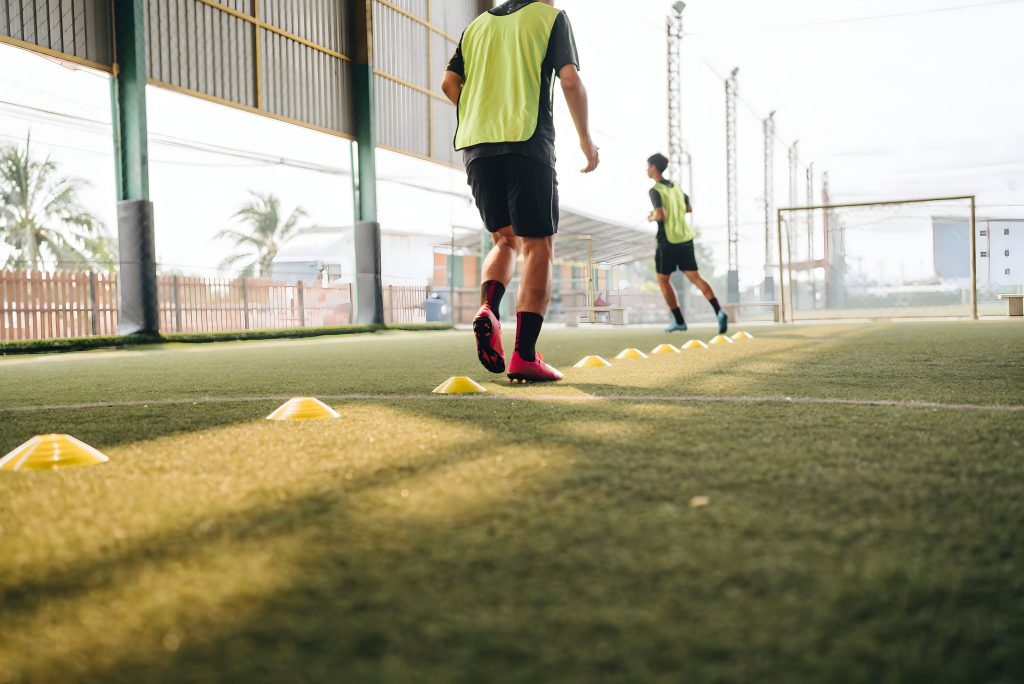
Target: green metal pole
pixel 363 106
pixel 367 240
pixel 138 308
pixel 128 99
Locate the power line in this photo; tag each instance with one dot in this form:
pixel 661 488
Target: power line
pixel 852 20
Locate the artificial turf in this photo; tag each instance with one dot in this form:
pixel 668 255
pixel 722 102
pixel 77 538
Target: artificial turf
pixel 520 538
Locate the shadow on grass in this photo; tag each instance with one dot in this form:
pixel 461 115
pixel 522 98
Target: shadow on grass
pixel 597 572
pixel 594 571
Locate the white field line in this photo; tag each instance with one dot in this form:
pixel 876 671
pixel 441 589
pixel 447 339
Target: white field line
pixel 686 399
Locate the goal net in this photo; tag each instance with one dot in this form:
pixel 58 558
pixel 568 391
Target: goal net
pixel 881 260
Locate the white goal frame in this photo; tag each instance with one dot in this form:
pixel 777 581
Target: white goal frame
pixel 788 313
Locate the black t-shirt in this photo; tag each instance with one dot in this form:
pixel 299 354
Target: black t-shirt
pixel 656 201
pixel 561 51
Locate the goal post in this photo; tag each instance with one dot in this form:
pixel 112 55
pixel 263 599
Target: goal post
pixel 912 258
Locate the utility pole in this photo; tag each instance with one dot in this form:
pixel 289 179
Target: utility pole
pixel 731 189
pixel 794 161
pixel 769 211
pixel 810 214
pixel 676 149
pixel 810 236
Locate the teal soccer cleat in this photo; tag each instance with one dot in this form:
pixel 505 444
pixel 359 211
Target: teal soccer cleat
pixel 673 327
pixel 723 322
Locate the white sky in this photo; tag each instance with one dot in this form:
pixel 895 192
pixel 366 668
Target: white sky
pixel 926 104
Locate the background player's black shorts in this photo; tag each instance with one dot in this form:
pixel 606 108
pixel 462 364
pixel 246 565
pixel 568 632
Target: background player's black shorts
pixel 669 257
pixel 513 190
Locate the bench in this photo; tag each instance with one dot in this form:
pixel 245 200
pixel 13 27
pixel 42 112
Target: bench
pixel 1015 303
pixel 616 315
pixel 733 309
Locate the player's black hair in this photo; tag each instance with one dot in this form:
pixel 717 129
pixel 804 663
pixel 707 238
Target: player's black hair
pixel 660 162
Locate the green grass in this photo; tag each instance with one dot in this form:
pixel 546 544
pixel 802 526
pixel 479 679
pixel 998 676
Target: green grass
pixel 519 538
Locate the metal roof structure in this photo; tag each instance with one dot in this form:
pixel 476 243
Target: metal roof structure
pixel 581 235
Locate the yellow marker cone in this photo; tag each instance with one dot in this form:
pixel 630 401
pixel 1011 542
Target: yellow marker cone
pixel 720 339
pixel 303 408
pixel 52 452
pixel 591 362
pixel 695 344
pixel 742 335
pixel 459 385
pixel 664 349
pixel 630 354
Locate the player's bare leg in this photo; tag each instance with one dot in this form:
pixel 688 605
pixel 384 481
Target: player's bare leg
pixel 532 304
pixel 668 291
pixel 709 294
pixel 499 266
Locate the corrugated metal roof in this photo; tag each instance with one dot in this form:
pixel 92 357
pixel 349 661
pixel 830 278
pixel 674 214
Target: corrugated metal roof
pixel 612 243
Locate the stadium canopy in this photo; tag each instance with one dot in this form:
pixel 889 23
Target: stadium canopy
pixel 582 235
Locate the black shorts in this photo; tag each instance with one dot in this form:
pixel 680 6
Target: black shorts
pixel 670 257
pixel 513 190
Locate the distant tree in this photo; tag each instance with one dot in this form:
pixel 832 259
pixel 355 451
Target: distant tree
pixel 42 221
pixel 267 233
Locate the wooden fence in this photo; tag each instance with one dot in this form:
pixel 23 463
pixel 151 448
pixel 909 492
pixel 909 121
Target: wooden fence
pixel 51 305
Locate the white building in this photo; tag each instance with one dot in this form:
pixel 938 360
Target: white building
pixel 1000 252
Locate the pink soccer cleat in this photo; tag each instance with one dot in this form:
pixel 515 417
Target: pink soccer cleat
pixel 487 329
pixel 520 370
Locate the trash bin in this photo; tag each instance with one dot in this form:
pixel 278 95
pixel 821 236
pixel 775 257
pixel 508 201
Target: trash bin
pixel 435 309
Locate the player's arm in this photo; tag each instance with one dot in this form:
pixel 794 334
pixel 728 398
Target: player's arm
pixel 579 106
pixel 451 86
pixel 658 214
pixel 689 207
pixel 454 76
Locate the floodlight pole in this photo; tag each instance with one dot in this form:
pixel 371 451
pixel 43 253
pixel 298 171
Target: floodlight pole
pixel 732 212
pixel 769 192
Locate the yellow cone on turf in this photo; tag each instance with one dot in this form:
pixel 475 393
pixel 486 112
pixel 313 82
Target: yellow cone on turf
pixel 591 362
pixel 742 335
pixel 630 354
pixel 720 339
pixel 52 452
pixel 460 384
pixel 695 344
pixel 303 408
pixel 664 349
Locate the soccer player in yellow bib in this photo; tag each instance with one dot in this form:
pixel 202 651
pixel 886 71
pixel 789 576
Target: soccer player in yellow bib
pixel 502 78
pixel 675 244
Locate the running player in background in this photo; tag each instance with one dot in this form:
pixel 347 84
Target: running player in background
pixel 675 244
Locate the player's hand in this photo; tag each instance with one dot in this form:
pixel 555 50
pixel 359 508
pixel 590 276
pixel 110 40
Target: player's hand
pixel 590 150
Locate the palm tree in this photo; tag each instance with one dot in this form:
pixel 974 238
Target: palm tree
pixel 260 245
pixel 42 221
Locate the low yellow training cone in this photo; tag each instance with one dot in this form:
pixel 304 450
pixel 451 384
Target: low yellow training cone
pixel 303 408
pixel 591 362
pixel 664 349
pixel 630 354
pixel 742 335
pixel 52 452
pixel 720 339
pixel 459 385
pixel 695 344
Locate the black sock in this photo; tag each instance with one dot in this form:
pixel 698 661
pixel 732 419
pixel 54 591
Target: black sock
pixel 714 305
pixel 527 331
pixel 491 293
pixel 678 313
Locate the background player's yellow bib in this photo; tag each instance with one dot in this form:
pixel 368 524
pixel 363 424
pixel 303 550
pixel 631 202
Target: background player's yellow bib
pixel 673 201
pixel 503 56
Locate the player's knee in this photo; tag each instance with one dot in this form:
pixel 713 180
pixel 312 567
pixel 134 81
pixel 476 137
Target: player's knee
pixel 538 248
pixel 664 279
